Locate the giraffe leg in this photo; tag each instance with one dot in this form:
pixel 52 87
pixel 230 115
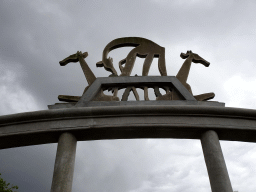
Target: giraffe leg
pixel 130 59
pixel 146 66
pixel 161 64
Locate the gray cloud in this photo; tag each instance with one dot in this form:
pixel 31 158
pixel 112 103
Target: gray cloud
pixel 35 36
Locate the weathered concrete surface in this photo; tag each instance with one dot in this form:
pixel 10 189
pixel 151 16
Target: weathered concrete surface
pixel 137 103
pixel 64 163
pixel 125 122
pixel 123 81
pixel 182 75
pixel 79 57
pixel 144 48
pixel 215 163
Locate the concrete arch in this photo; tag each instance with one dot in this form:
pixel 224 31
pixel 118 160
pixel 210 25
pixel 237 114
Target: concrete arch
pixel 127 122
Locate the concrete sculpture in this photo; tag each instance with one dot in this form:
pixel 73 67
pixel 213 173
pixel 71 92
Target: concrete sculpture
pixel 90 77
pixel 143 48
pixel 94 115
pixel 178 92
pixel 183 73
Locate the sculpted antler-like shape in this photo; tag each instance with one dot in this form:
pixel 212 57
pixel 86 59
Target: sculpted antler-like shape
pixel 107 63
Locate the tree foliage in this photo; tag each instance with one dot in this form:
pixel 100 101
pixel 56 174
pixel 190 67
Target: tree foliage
pixel 5 187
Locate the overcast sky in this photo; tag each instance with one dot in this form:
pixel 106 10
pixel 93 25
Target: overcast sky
pixel 36 35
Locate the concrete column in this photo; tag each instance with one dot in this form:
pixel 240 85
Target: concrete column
pixel 215 163
pixel 64 163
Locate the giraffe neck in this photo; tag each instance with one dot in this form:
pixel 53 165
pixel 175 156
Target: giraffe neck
pixel 182 75
pixel 90 77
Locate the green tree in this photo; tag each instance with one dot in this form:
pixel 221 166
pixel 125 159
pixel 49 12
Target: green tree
pixel 5 187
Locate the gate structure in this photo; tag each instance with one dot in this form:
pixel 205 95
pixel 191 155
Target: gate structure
pixel 94 116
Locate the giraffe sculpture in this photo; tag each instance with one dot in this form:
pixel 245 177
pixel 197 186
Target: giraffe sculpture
pixel 144 48
pixel 183 73
pixel 90 77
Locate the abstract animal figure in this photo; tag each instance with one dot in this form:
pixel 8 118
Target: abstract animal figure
pixel 130 88
pixel 79 56
pixel 90 77
pixel 144 48
pixel 182 75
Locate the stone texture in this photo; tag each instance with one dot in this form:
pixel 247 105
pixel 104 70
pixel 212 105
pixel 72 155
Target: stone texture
pixel 183 73
pixel 64 163
pixel 144 48
pixel 124 122
pixel 96 87
pixel 215 163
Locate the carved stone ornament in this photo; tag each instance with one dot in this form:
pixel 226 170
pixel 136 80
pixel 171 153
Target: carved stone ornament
pixel 176 88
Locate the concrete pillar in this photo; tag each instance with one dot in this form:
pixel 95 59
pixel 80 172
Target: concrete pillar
pixel 215 163
pixel 64 163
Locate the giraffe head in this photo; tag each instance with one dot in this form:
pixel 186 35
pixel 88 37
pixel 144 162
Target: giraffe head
pixel 73 58
pixel 195 58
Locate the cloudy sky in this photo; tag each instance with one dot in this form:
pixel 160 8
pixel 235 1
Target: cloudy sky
pixel 36 35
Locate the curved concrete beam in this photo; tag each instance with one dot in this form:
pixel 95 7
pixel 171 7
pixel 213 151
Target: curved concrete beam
pixel 125 122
